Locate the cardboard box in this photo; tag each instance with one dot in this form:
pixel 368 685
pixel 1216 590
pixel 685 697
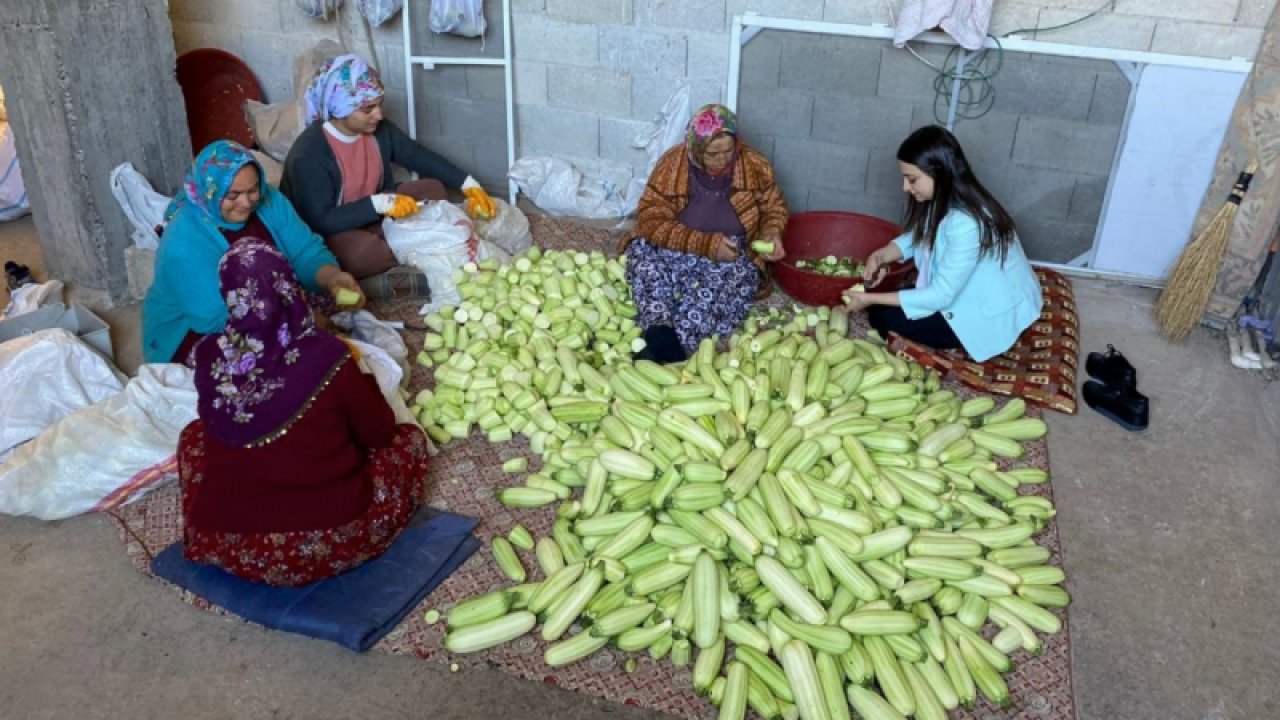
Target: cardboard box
pixel 76 319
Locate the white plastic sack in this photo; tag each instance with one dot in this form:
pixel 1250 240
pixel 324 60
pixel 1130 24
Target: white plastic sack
pixel 320 9
pixel 141 204
pixel 378 11
pixel 664 132
pixel 560 188
pixel 364 327
pixel 31 297
pixel 458 17
pixel 86 457
pixel 46 376
pixel 13 191
pixel 509 229
pixel 388 374
pixel 439 239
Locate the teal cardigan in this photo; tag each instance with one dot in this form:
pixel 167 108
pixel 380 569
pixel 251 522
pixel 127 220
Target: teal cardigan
pixel 186 294
pixel 987 303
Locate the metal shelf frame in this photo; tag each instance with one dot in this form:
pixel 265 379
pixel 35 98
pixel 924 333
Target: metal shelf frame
pixel 414 62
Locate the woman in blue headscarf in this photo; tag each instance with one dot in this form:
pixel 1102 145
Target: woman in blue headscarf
pixel 223 201
pixel 338 172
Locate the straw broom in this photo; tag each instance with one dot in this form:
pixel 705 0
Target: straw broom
pixel 1185 295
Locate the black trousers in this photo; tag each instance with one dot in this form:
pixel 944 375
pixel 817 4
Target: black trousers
pixel 932 330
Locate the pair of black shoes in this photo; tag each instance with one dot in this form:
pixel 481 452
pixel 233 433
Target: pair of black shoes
pixel 662 345
pixel 15 275
pixel 1114 390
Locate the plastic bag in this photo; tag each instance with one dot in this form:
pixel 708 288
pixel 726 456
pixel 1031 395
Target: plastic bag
pixel 458 17
pixel 46 376
pixel 438 240
pixel 103 452
pixel 141 204
pixel 509 229
pixel 364 327
pixel 379 11
pixel 664 132
pixel 560 188
pixel 319 9
pixel 31 297
pixel 13 191
pixel 376 362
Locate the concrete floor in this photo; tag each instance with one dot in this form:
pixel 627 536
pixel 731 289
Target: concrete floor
pixel 1170 541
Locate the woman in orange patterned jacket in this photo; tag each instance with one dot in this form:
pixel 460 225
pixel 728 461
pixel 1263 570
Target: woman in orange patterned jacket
pixel 691 266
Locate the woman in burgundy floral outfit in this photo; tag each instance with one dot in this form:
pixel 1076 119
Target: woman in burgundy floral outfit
pixel 296 469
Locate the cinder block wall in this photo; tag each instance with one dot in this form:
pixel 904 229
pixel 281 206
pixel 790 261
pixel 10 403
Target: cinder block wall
pixel 831 111
pixel 591 73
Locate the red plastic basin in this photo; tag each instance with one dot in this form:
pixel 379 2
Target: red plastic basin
pixel 813 235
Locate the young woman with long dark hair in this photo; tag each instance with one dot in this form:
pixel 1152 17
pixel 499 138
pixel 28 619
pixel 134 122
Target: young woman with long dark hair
pixel 975 289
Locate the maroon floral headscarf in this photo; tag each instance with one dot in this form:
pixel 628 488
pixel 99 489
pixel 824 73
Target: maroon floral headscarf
pixel 257 376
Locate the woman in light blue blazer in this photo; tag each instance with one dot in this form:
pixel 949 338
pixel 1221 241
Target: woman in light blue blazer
pixel 976 289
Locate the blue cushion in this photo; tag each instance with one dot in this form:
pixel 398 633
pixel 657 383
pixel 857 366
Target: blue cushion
pixel 354 609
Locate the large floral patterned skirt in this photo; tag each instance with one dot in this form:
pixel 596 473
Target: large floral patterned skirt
pixel 301 557
pixel 697 296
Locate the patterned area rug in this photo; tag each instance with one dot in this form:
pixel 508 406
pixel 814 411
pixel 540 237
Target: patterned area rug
pixel 463 478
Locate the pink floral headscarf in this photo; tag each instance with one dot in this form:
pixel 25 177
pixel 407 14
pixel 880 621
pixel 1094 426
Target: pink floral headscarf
pixel 341 87
pixel 708 123
pixel 257 376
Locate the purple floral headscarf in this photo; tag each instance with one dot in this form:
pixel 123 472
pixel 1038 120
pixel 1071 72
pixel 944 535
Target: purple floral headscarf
pixel 258 375
pixel 341 86
pixel 708 123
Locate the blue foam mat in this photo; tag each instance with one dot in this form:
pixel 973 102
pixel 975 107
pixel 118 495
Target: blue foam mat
pixel 355 609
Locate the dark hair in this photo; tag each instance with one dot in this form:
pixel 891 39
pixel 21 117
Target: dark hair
pixel 937 153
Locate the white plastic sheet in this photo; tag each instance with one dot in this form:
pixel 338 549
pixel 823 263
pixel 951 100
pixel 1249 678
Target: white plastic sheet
pixel 438 240
pixel 46 376
pixel 90 455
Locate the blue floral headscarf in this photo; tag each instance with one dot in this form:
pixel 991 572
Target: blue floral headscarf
pixel 208 180
pixel 261 373
pixel 341 86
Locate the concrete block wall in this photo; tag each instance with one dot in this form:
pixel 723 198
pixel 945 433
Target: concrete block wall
pixel 831 111
pixel 590 73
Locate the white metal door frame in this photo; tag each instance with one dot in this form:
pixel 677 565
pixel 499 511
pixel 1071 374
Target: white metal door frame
pixel 430 62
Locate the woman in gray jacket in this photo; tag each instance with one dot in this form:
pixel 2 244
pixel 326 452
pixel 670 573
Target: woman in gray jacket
pixel 338 174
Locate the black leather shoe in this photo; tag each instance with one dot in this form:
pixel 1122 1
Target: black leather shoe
pixel 1130 409
pixel 662 345
pixel 1112 368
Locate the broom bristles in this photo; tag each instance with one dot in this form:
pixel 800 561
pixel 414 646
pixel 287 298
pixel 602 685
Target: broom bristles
pixel 1186 294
